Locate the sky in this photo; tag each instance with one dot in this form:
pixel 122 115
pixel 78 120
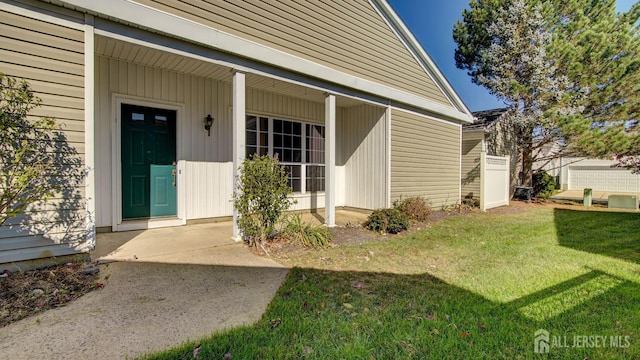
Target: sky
pixel 431 22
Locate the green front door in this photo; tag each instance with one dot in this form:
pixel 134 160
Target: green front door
pixel 148 162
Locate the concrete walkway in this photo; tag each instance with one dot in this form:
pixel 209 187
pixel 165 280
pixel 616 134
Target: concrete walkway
pixel 165 286
pixel 185 284
pixel 598 197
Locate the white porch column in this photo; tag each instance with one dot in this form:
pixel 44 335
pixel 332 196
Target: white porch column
pixel 387 119
pixel 89 129
pixel 330 160
pixel 239 125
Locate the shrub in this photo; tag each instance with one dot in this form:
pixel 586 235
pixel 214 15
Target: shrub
pixel 307 234
pixel 416 208
pixel 262 195
pixel 461 207
pixel 543 185
pixel 390 221
pixel 37 162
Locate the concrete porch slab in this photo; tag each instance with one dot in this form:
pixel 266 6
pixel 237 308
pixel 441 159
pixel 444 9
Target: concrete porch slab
pixel 199 244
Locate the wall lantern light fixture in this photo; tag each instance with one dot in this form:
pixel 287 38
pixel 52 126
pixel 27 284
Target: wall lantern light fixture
pixel 208 121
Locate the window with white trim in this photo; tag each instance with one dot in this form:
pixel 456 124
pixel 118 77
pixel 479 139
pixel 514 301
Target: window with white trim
pixel 299 147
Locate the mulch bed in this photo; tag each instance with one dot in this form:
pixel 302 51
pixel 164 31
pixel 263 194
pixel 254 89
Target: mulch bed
pixel 356 234
pixel 23 294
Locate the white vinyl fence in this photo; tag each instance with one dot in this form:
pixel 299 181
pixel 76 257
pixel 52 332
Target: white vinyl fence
pixel 494 181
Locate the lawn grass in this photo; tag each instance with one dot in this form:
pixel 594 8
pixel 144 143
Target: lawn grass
pixel 476 286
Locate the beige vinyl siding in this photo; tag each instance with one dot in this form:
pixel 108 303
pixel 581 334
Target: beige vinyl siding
pixel 347 36
pixel 362 152
pixel 51 58
pixel 471 149
pixel 198 96
pixel 425 158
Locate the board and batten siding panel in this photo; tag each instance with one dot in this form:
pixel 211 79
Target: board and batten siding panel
pixel 363 154
pixel 347 36
pixel 272 104
pixel 471 150
pixel 209 189
pixel 50 57
pixel 198 96
pixel 425 158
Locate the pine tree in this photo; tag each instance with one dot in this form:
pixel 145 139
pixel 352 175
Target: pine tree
pixel 599 51
pixel 566 68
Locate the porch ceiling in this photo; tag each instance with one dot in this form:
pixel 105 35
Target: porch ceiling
pixel 137 54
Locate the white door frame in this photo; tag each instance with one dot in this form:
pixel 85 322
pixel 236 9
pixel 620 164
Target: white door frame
pixel 116 165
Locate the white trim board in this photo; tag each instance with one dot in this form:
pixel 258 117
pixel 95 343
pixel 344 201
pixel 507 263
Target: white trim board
pixel 179 27
pixel 117 223
pixel 89 131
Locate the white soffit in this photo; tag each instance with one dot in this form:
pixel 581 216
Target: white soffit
pixel 150 18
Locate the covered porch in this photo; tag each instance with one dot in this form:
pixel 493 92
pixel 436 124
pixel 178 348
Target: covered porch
pixel 334 142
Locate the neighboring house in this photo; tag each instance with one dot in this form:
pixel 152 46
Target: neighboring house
pixel 489 133
pixel 599 175
pixel 341 91
pixel 486 134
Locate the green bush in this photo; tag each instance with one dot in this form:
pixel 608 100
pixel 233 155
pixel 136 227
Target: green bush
pixel 262 195
pixel 390 221
pixel 416 208
pixel 543 185
pixel 37 161
pixel 307 234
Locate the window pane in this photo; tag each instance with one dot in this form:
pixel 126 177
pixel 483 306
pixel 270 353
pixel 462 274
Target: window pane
pixel 264 139
pixel 264 124
pixel 297 129
pixel 251 123
pixel 263 151
pixel 296 185
pixel 160 120
pixel 137 117
pixel 315 144
pixel 294 177
pixel 315 178
pixel 251 138
pixel 277 140
pixel 296 170
pixel 286 155
pixel 297 156
pixel 277 126
pixel 250 150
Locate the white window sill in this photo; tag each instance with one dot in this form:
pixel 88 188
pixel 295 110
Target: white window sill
pixel 299 195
